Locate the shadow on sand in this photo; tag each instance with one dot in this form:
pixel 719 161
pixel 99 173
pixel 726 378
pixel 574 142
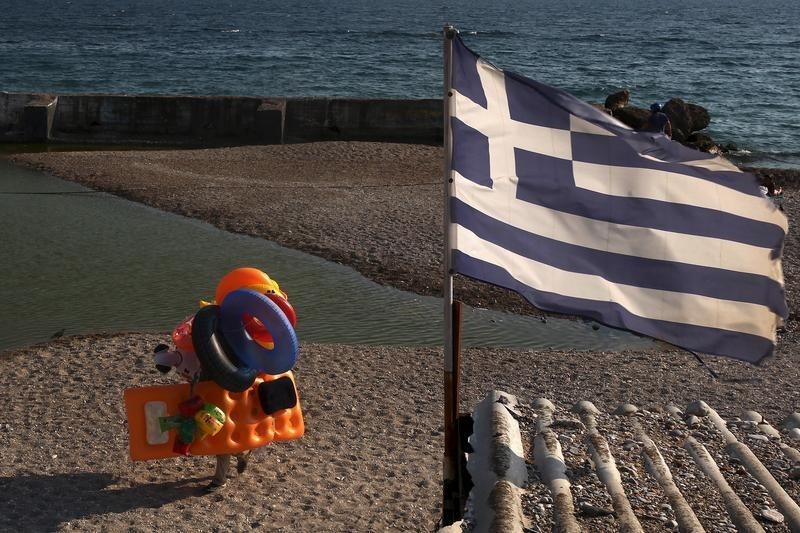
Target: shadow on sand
pixel 44 502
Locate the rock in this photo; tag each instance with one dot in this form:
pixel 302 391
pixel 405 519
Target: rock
pixel 585 406
pixel 632 116
pixel 794 472
pixel 771 515
pixel 628 470
pixel 792 421
pixel 756 436
pixel 698 408
pixel 678 113
pixel 702 143
pixel 779 464
pixel 587 509
pixel 629 445
pixel 685 118
pixel 674 410
pixel 692 421
pixel 543 404
pixel 618 100
pixel 769 431
pixel 565 440
pixel 794 433
pixel 625 409
pixel 601 107
pixel 753 416
pixel 699 115
pixel 566 423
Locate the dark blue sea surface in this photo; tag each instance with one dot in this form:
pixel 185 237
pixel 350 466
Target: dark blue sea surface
pixel 737 58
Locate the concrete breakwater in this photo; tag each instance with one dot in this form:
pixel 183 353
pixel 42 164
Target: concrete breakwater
pixel 212 120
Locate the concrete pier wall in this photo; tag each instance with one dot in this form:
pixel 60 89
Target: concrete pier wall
pixel 213 120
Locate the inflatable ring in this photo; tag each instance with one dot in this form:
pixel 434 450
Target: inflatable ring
pixel 257 330
pixel 283 303
pixel 215 355
pixel 243 302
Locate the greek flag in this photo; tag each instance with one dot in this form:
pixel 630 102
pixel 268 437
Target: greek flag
pixel 580 214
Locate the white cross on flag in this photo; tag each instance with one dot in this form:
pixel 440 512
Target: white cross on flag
pixel 580 214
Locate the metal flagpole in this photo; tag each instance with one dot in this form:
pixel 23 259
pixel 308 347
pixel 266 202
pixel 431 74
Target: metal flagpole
pixel 450 483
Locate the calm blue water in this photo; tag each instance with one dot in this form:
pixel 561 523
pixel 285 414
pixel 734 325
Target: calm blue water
pixel 738 58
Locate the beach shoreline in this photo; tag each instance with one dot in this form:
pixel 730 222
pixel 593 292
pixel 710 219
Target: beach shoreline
pixel 376 207
pixel 371 456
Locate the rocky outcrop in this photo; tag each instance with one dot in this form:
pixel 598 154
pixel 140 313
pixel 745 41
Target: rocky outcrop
pixel 635 117
pixel 702 142
pixel 687 120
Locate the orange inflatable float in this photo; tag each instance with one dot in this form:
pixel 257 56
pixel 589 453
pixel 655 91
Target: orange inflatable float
pixel 268 411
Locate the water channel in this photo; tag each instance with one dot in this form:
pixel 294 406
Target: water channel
pixel 80 261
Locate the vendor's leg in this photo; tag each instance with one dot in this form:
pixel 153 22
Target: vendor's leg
pixel 221 472
pixel 242 459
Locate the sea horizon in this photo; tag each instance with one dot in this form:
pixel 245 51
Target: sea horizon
pixel 739 64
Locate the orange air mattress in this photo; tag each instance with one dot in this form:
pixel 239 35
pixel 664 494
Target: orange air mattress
pixel 246 426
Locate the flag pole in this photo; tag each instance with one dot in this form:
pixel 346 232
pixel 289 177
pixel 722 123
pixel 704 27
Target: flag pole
pixel 451 497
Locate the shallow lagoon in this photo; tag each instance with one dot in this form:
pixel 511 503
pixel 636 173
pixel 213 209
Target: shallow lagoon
pixel 83 262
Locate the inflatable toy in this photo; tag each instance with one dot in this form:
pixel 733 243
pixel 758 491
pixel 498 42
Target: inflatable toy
pixel 246 277
pixel 182 335
pixel 185 362
pixel 219 361
pixel 195 421
pixel 243 303
pixel 268 411
pixel 256 329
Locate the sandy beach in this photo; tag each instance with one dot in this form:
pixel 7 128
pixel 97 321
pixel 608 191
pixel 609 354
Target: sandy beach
pixel 371 456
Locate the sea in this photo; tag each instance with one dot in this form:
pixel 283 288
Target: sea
pixel 737 58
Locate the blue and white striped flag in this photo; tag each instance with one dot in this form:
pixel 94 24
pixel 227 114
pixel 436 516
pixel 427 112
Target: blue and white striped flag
pixel 582 215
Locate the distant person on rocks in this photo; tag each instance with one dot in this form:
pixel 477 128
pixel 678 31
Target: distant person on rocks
pixel 658 121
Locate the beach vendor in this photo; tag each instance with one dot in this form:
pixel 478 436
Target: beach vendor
pixel 237 354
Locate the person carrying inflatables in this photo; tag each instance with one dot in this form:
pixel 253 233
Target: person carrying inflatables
pixel 246 336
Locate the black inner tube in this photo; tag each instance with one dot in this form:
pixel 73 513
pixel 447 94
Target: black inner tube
pixel 216 357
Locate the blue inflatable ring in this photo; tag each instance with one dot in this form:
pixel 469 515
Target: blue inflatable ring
pixel 283 356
